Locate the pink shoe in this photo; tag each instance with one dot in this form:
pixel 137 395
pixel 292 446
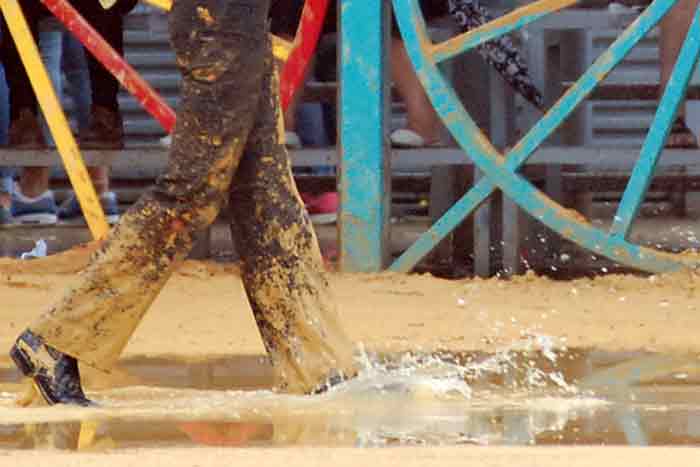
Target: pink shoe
pixel 323 209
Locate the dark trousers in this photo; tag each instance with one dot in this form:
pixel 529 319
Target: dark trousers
pixel 104 87
pixel 226 148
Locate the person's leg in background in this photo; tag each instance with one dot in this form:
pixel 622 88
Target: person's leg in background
pixel 303 122
pixel 32 201
pixel 74 65
pixel 51 50
pixel 102 128
pixel 26 134
pixel 322 206
pixel 105 130
pixel 77 79
pixel 423 126
pixel 674 28
pixel 6 173
pixel 311 122
pixel 4 104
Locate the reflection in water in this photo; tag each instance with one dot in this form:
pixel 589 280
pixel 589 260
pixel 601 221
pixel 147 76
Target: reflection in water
pixel 524 395
pixel 540 421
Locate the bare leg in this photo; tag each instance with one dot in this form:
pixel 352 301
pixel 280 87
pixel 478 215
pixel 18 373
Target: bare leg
pixel 674 28
pixel 100 178
pixel 5 200
pixel 34 181
pixel 422 118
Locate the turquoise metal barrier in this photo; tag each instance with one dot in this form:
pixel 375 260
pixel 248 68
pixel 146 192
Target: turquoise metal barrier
pixel 365 184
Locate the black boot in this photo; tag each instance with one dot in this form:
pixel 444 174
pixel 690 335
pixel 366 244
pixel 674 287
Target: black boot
pixel 55 374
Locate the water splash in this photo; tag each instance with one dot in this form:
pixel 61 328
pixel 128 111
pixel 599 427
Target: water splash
pixel 443 375
pixel 411 399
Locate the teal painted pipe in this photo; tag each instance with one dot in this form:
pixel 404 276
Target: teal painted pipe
pixel 365 188
pixel 658 132
pixel 500 172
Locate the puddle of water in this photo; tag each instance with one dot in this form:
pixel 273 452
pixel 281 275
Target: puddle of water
pixel 528 394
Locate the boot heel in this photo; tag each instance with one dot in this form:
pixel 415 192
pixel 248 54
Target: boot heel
pixel 23 363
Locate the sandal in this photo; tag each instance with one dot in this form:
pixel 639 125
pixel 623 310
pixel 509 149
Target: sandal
pixel 681 137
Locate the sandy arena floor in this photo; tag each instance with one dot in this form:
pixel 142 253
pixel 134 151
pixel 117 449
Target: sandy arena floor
pixel 348 457
pixel 203 314
pixel 390 312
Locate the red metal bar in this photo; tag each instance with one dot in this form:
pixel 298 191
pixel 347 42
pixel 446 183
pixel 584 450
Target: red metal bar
pixel 307 36
pixel 125 74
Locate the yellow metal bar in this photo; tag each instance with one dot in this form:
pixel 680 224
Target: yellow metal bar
pixel 51 107
pixel 281 48
pixel 281 131
pixel 88 434
pixel 162 4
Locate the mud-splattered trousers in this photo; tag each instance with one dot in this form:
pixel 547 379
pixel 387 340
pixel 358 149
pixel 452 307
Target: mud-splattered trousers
pixel 226 144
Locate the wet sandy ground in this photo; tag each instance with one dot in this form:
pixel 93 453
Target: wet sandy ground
pixel 342 457
pixel 202 315
pixel 203 311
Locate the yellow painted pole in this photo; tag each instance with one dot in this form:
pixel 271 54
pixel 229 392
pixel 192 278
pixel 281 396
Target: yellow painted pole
pixel 281 130
pixel 162 4
pixel 281 48
pixel 51 108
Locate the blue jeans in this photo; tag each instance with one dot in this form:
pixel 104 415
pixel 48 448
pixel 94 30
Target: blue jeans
pixel 63 56
pixel 311 131
pixel 75 70
pixel 50 45
pixel 4 107
pixel 6 173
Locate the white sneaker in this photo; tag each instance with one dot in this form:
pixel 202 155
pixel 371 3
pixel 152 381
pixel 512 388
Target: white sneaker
pixel 409 139
pixel 166 141
pixel 40 210
pixel 292 140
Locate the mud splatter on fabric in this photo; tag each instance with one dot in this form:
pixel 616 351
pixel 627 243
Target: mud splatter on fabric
pixel 225 146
